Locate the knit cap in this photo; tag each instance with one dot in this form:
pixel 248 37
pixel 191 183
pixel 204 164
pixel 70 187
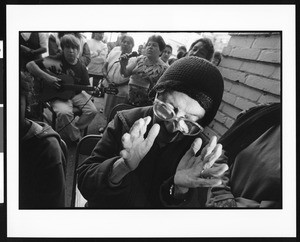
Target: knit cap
pixel 197 78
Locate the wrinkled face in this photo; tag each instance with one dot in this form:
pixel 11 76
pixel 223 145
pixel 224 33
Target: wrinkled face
pixel 166 54
pixel 184 107
pixel 126 45
pixel 198 50
pixel 152 50
pixel 71 54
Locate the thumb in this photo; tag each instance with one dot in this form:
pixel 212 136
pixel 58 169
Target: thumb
pixel 152 135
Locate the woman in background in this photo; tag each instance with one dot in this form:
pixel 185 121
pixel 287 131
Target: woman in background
pixel 203 48
pixel 145 71
pixel 111 72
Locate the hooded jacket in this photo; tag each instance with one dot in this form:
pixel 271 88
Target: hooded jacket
pixel 41 168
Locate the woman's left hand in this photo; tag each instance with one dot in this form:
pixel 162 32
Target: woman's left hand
pixel 199 171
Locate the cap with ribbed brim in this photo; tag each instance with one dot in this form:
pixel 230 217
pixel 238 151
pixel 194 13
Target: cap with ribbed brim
pixel 199 79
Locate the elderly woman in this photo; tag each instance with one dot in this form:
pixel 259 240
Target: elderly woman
pixel 111 72
pixel 149 156
pixel 145 71
pixel 203 48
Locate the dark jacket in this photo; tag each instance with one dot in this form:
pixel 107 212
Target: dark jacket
pixel 41 169
pixel 257 183
pixel 145 187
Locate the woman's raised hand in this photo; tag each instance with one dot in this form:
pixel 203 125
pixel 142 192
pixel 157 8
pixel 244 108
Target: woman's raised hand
pixel 200 171
pixel 135 145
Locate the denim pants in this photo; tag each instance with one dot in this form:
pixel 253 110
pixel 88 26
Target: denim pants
pixel 64 111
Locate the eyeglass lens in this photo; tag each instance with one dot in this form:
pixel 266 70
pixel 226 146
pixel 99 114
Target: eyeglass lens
pixel 162 111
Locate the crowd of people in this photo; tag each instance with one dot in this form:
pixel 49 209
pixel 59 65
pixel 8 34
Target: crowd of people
pixel 154 155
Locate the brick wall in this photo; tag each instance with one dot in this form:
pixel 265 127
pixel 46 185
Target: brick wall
pixel 251 67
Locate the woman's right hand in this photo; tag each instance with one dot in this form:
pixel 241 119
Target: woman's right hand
pixel 134 143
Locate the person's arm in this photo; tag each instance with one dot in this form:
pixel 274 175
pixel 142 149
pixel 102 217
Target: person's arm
pixel 94 171
pixel 127 68
pixel 132 61
pixel 102 179
pixel 31 52
pixel 34 69
pixel 44 43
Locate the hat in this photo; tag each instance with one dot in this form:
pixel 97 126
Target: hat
pixel 197 78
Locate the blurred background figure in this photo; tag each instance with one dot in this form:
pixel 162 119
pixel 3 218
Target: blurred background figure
pixel 84 54
pixel 111 72
pixel 203 48
pixel 181 52
pixel 217 58
pixel 145 71
pixel 112 45
pixel 167 52
pixel 33 45
pixel 99 52
pixel 140 49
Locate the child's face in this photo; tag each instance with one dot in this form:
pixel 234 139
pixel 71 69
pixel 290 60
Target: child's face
pixel 71 54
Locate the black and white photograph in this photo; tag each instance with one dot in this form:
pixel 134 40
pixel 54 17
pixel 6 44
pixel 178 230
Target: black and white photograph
pixel 147 125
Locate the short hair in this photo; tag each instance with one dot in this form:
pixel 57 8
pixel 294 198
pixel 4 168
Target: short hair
pixel 94 33
pixel 158 39
pixel 167 45
pixel 182 48
pixel 172 60
pixel 69 40
pixel 217 54
pixel 208 45
pixel 128 37
pixel 181 54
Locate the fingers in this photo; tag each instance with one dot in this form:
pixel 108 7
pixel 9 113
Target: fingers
pixel 152 135
pixel 124 154
pixel 196 145
pixel 139 127
pixel 189 157
pixel 202 182
pixel 56 84
pixel 210 159
pixel 209 147
pixel 215 171
pixel 127 144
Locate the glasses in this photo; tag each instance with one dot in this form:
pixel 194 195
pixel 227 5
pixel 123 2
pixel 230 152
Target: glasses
pixel 165 111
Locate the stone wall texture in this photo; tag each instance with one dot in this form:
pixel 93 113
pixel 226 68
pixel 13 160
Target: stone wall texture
pixel 251 68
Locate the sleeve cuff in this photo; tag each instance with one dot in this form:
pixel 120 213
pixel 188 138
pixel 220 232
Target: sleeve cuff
pixel 119 170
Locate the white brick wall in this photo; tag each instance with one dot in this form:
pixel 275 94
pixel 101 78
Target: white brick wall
pixel 251 68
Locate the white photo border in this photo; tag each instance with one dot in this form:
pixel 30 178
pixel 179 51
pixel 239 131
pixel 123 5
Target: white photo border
pixel 153 223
